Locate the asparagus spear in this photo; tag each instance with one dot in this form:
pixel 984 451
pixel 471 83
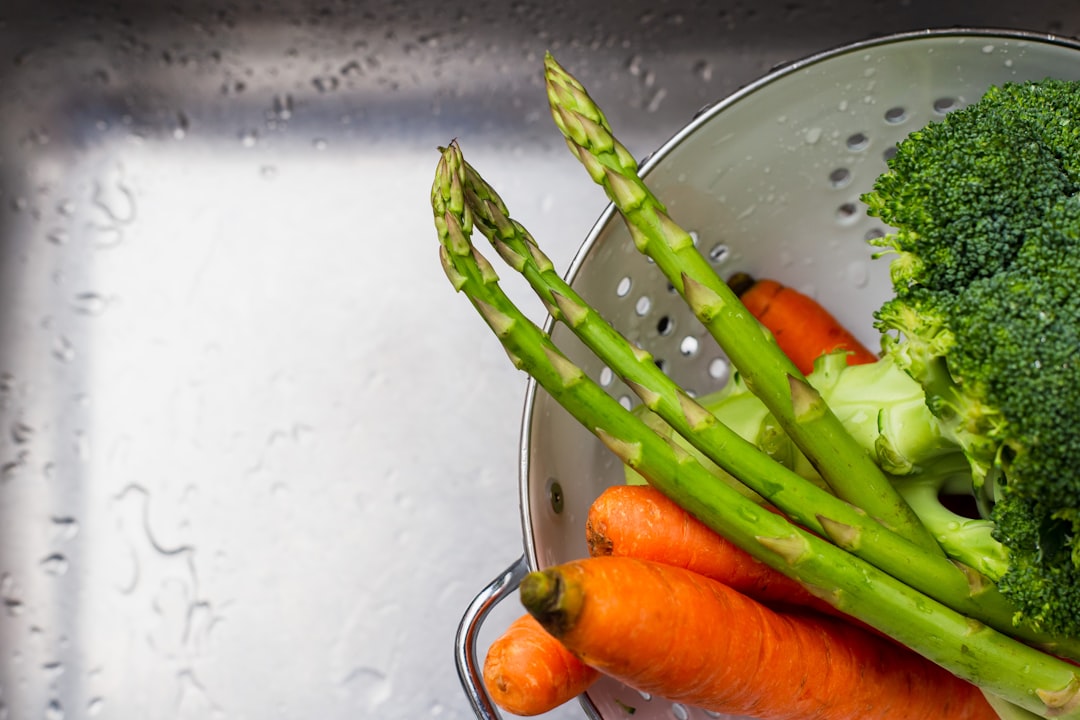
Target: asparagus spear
pixel 999 664
pixel 961 588
pixel 799 409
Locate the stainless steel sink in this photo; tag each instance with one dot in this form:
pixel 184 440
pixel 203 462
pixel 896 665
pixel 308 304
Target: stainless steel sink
pixel 255 455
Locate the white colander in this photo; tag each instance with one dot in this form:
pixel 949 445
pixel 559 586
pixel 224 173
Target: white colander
pixel 769 181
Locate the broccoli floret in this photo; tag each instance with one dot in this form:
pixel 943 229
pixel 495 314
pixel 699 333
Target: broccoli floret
pixel 985 317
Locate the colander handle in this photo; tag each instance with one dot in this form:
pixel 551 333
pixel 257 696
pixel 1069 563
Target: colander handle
pixel 469 670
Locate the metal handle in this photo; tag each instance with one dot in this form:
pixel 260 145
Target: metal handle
pixel 469 671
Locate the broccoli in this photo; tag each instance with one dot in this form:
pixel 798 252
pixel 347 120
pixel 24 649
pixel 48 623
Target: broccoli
pixel 984 316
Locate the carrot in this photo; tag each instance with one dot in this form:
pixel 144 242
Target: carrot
pixel 803 329
pixel 640 521
pixel 689 639
pixel 528 672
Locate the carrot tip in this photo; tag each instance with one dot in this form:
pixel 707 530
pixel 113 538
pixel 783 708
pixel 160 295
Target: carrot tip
pixel 740 282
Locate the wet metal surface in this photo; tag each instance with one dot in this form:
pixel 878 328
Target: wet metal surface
pixel 255 455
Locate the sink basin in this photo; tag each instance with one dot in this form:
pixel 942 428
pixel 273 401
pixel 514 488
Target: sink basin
pixel 255 455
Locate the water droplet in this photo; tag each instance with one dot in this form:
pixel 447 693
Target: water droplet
pixel 858 274
pixel 65 527
pixel 812 135
pixel 325 83
pixel 180 131
pixel 987 49
pixel 116 200
pixel 704 70
pixel 63 350
pixel 95 706
pixel 58 237
pixel 66 208
pixel 747 212
pixel 89 303
pixel 372 685
pixel 656 99
pixel 55 565
pixel 53 670
pixel 54 710
pixel 10 469
pixel 14 606
pixel 249 138
pixel 283 107
pixel 319 144
pixel 268 172
pixel 21 433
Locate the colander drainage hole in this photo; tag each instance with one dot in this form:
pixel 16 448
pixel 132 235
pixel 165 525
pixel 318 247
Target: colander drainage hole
pixel 718 369
pixel 606 376
pixel 661 364
pixel 643 306
pixel 857 142
pixel 679 711
pixel 846 213
pixel 623 288
pixel 719 253
pixel 555 496
pixel 689 345
pixel 840 177
pixel 895 115
pixel 889 154
pixel 665 326
pixel 944 105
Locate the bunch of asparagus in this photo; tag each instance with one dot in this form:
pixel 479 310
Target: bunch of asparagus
pixel 859 546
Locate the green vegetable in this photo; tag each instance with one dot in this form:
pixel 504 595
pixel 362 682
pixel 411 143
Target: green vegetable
pixel 986 318
pixel 974 396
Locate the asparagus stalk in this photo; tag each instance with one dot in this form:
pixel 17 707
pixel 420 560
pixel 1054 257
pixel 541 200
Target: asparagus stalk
pixel 961 588
pixel 799 409
pixel 971 650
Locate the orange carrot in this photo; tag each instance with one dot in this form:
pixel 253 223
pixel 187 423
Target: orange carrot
pixel 803 329
pixel 640 521
pixel 689 639
pixel 528 672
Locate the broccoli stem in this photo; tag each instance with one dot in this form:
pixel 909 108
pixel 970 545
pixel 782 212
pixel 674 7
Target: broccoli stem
pixel 742 461
pixel 800 411
pixel 969 540
pixel 1001 665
